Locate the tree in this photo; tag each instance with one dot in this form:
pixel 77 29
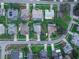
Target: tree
pixel 76 10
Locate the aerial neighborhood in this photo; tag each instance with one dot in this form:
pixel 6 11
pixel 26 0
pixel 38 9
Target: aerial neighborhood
pixel 39 29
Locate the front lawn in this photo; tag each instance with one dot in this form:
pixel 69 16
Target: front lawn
pixel 12 5
pixel 54 36
pixel 3 19
pixel 49 51
pixel 69 38
pixel 44 30
pixel 32 34
pixel 37 48
pixel 43 6
pixel 61 23
pixel 55 8
pixel 6 37
pixel 21 37
pixel 74 28
pixel 25 50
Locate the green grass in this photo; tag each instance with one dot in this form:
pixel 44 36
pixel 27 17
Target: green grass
pixel 69 38
pixel 58 46
pixel 44 30
pixel 12 5
pixel 55 8
pixel 49 51
pixel 43 37
pixel 17 21
pixel 3 20
pixel 44 26
pixel 37 48
pixel 74 28
pixel 6 37
pixel 43 6
pixel 54 36
pixel 31 7
pixel 32 34
pixel 37 21
pixel 25 50
pixel 67 18
pixel 61 23
pixel 21 37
